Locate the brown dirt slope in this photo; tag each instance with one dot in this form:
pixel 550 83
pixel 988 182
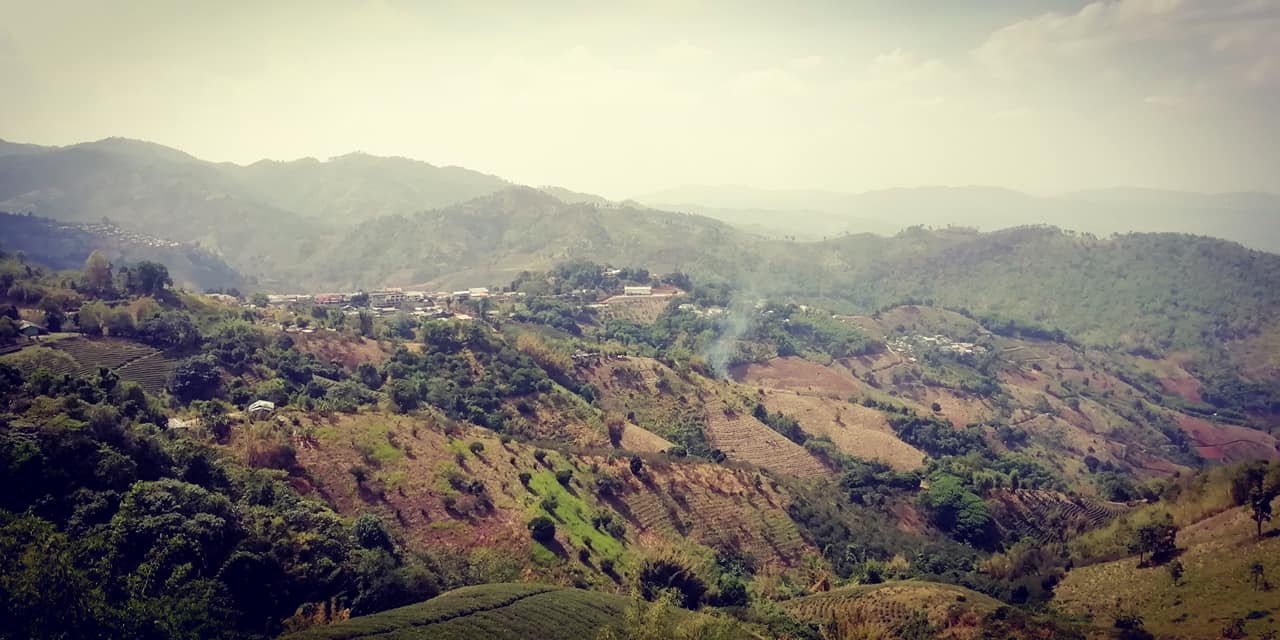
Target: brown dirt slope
pixel 797 374
pixel 346 351
pixel 854 429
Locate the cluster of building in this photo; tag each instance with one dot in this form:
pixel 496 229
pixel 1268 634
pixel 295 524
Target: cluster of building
pixel 945 344
pixel 134 237
pixel 388 301
pixel 705 312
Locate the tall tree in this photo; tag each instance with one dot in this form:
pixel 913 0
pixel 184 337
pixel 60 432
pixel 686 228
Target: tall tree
pixel 153 277
pixel 97 273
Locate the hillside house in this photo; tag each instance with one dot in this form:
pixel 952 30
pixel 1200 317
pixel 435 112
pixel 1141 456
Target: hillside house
pixel 639 290
pixel 31 329
pixel 330 298
pixel 261 409
pixel 386 298
pixel 478 292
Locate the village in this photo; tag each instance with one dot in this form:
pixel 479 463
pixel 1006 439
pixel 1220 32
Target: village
pixel 911 344
pixel 461 304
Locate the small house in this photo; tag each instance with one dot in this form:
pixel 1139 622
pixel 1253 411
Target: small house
pixel 261 409
pixel 637 291
pixel 31 329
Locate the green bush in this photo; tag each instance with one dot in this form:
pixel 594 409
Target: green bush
pixel 542 529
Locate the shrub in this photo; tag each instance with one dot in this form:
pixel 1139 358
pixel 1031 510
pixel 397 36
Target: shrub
pixel 606 565
pixel 371 533
pixel 564 476
pixel 659 574
pixel 542 529
pixel 637 466
pixel 525 477
pixel 609 484
pixel 476 447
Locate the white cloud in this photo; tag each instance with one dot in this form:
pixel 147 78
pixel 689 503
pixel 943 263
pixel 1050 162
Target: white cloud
pixel 1150 45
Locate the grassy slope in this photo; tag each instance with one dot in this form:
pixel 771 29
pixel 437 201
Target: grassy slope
pixel 492 611
pixel 1218 549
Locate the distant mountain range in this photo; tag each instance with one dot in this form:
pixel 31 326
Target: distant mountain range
pixel 365 221
pixel 1252 219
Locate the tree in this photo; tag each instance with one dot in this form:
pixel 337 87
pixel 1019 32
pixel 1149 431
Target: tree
pixel 369 376
pixel 1156 539
pixel 371 533
pixel 403 395
pixel 1258 572
pixel 1176 570
pixel 637 466
pixel 97 274
pixel 259 299
pixel 53 314
pixel 213 418
pixel 196 378
pixel 170 330
pixel 118 322
pixel 8 330
pixel 958 511
pixel 153 277
pixel 542 529
pixel 91 317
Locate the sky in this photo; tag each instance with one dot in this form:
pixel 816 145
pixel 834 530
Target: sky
pixel 621 99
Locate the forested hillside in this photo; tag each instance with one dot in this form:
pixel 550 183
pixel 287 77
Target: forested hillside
pixel 63 246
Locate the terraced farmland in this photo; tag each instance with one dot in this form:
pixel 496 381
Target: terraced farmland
pixel 893 603
pixel 492 611
pixel 856 430
pixel 133 362
pixel 151 372
pixel 1048 516
pixel 745 439
pixel 717 507
pixel 32 358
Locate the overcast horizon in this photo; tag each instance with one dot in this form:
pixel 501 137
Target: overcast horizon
pixel 1041 96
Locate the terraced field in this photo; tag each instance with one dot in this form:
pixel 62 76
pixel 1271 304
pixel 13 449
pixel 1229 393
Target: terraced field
pixel 151 372
pixel 856 430
pixel 104 352
pixel 30 359
pixel 948 607
pixel 133 362
pixel 745 439
pixel 718 507
pixel 1048 516
pixel 492 611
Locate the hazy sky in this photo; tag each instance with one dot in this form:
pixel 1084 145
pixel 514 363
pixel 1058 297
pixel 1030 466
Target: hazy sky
pixel 1042 95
